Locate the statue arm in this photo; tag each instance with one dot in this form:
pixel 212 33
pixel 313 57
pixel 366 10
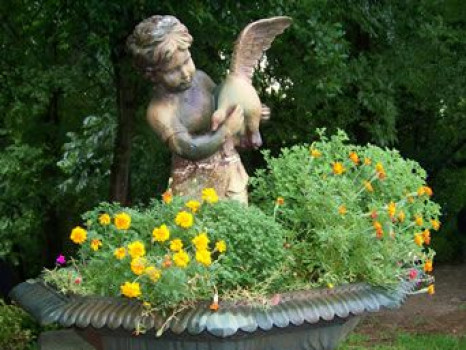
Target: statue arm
pixel 197 147
pixel 180 140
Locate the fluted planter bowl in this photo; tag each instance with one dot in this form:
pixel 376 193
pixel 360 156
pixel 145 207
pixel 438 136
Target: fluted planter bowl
pixel 311 320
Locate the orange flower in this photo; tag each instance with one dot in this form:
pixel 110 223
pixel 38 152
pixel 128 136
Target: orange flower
pixel 338 168
pixel 428 266
pixel 354 157
pixel 428 191
pixel 377 225
pixel 167 196
pixel 167 261
pixel 426 236
pixel 342 210
pixel 280 201
pixel 379 234
pixel 214 306
pixel 420 191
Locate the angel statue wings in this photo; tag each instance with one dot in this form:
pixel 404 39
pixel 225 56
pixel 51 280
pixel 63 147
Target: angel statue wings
pixel 200 122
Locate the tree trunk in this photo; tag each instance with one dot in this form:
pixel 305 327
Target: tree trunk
pixel 125 98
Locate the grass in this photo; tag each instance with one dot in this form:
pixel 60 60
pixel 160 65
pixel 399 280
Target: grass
pixel 405 341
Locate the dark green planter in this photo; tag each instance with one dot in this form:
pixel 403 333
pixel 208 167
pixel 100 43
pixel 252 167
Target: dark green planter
pixel 311 320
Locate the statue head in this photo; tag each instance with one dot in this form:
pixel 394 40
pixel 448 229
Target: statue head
pixel 160 46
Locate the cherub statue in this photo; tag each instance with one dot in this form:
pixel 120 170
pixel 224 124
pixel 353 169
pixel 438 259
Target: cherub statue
pixel 183 104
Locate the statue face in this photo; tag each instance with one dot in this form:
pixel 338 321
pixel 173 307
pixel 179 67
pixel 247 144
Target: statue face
pixel 178 74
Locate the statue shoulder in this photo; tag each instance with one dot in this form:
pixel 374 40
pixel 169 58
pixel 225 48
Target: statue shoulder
pixel 204 80
pixel 161 115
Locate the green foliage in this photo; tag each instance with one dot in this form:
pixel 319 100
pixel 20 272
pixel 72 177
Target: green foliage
pixel 254 252
pixel 406 342
pixel 17 329
pixel 22 201
pixel 352 210
pixel 87 157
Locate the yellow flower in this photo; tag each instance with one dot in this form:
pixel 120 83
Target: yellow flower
pixel 391 209
pixel 354 157
pixel 78 235
pixel 201 241
pixel 418 239
pixel 193 205
pixel 209 195
pixel 167 196
pixel 138 266
pixel 176 245
pixel 130 290
pixel 120 253
pixel 221 246
pixel 338 168
pixel 368 186
pixel 431 289
pixel 204 257
pixel 161 234
pixel 420 191
pixel 367 161
pixel 315 153
pixel 122 221
pixel 379 169
pixel 153 273
pixel 435 224
pixel 280 201
pixel 418 220
pixel 96 244
pixel 181 258
pixel 428 266
pixel 330 285
pixel 342 210
pixel 136 249
pixel 401 216
pixel 184 219
pixel 104 219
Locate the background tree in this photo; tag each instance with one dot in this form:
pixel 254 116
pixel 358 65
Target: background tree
pixel 72 126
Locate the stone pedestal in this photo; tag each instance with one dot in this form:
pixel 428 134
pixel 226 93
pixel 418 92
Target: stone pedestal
pixel 65 339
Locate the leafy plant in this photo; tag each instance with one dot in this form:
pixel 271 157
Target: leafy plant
pixel 354 213
pixel 173 252
pixel 17 329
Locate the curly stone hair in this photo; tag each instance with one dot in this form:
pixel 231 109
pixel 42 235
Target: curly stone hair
pixel 155 40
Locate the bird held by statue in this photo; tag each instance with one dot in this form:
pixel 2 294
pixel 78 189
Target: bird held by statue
pixel 237 88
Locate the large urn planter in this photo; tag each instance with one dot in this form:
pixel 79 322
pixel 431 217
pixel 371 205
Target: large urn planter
pixel 311 320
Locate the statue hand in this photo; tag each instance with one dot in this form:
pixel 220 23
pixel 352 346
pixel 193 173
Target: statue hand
pixel 235 120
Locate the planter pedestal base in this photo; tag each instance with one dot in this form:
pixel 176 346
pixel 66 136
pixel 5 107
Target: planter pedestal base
pixel 320 336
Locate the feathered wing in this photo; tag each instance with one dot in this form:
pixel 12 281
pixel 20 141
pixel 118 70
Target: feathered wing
pixel 255 38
